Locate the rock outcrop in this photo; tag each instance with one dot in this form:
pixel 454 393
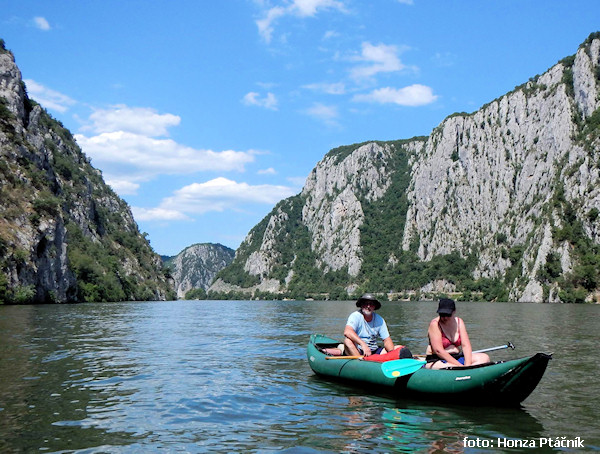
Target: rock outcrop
pixel 510 193
pixel 197 265
pixel 65 236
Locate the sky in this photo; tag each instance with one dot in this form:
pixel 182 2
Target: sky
pixel 203 114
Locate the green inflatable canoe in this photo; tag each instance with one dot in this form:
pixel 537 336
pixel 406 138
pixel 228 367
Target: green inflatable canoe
pixel 505 383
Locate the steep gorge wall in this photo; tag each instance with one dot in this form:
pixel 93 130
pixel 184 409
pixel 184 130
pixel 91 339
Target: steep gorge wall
pixel 505 186
pixel 65 236
pixel 197 265
pixel 496 172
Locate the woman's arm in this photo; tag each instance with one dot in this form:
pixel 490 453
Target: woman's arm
pixel 465 342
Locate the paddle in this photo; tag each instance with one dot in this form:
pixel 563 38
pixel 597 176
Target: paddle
pixel 401 367
pixel 491 349
pixel 499 347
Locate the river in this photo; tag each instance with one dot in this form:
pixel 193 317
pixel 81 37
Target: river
pixel 232 376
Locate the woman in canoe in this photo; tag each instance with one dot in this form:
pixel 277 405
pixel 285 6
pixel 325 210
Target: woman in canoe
pixel 449 344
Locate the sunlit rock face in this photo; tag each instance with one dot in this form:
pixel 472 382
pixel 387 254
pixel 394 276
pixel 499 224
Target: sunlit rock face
pixel 482 184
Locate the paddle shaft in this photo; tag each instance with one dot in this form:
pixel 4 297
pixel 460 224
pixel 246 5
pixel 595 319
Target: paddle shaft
pixel 484 350
pixel 499 347
pixel 491 349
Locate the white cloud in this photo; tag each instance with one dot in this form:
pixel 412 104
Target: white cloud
pixel 138 120
pixel 50 99
pixel 142 158
pixel 269 171
pixel 380 58
pixel 158 214
pixel 123 187
pixel 298 8
pixel 265 25
pixel 413 95
pixel 127 148
pixel 254 99
pixel 41 23
pixel 219 194
pixel 330 34
pixel 304 8
pixel 330 89
pixel 322 112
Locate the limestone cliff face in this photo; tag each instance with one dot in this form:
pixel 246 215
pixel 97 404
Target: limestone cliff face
pixel 197 265
pixel 495 172
pixel 65 236
pixel 510 192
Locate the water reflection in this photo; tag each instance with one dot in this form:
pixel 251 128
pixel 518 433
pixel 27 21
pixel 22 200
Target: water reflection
pixel 443 429
pixel 44 397
pixel 232 376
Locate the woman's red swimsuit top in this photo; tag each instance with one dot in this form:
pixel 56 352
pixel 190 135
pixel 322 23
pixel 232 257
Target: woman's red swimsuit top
pixel 447 342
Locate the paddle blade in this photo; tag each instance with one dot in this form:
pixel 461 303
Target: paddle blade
pixel 401 367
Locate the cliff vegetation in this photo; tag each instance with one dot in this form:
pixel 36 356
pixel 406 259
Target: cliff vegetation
pixel 65 236
pixel 499 204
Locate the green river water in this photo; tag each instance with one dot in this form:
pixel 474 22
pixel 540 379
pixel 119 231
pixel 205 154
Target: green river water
pixel 232 376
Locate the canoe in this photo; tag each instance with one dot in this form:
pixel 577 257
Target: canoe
pixel 503 383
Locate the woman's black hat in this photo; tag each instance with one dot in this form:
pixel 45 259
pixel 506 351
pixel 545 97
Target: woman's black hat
pixel 446 306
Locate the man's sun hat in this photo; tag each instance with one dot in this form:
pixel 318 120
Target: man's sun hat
pixel 368 298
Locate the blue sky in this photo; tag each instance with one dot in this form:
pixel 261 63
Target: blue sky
pixel 203 114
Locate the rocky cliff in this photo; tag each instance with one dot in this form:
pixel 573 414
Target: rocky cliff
pixel 65 236
pixel 502 203
pixel 196 266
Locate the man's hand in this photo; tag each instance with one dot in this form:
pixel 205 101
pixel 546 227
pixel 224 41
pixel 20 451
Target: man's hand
pixel 366 350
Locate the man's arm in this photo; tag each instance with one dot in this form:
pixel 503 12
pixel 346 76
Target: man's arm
pixel 351 335
pixel 388 344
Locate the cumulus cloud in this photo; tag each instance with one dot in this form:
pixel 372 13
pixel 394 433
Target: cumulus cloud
pixel 158 214
pixel 413 95
pixel 137 120
pixel 269 171
pixel 330 89
pixel 219 194
pixel 127 147
pixel 41 23
pixel 50 99
pixel 253 99
pixel 123 187
pixel 324 113
pixel 142 158
pixel 265 25
pixel 379 58
pixel 297 8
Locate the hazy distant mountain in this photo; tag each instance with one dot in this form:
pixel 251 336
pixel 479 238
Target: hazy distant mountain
pixel 502 203
pixel 197 265
pixel 65 236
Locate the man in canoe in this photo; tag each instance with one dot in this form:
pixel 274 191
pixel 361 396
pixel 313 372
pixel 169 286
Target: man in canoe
pixel 364 327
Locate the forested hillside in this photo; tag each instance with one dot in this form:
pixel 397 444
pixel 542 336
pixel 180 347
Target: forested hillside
pixel 65 236
pixel 499 204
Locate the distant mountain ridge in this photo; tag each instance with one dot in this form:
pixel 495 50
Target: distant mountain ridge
pixel 499 204
pixel 196 266
pixel 65 236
